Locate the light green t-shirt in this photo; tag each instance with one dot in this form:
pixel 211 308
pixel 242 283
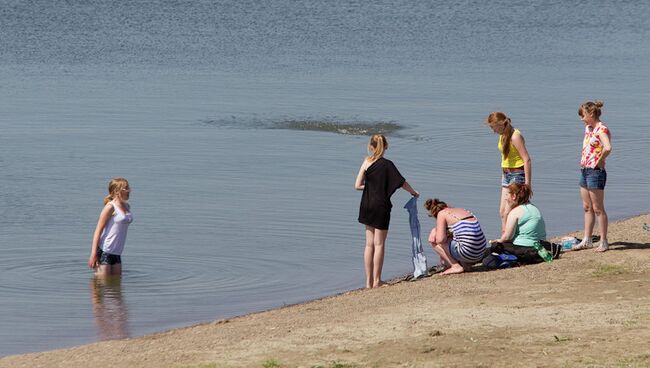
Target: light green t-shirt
pixel 530 227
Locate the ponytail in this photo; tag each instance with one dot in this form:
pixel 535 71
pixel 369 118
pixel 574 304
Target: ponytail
pixel 108 198
pixel 114 187
pixel 377 146
pixel 506 137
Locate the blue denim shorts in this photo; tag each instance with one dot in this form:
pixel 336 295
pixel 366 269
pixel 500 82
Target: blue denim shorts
pixel 107 258
pixel 455 253
pixel 593 178
pixel 510 177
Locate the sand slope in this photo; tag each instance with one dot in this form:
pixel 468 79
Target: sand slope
pixel 586 309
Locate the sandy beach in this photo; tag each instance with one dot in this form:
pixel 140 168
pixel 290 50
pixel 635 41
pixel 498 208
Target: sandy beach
pixel 585 309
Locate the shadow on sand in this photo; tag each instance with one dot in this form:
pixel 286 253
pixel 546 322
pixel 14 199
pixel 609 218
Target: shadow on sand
pixel 628 245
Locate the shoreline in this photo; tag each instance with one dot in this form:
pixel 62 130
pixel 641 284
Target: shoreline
pixel 585 309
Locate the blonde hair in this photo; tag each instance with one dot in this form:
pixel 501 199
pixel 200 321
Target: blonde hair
pixel 591 108
pixel 501 123
pixel 377 146
pixel 114 187
pixel 434 206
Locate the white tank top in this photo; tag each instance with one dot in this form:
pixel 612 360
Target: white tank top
pixel 114 235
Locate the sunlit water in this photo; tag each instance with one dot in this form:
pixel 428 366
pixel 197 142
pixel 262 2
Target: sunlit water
pixel 241 127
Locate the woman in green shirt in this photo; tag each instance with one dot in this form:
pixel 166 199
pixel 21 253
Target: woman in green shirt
pixel 525 230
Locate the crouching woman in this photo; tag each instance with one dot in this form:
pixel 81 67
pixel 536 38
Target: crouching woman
pixel 525 232
pixel 457 238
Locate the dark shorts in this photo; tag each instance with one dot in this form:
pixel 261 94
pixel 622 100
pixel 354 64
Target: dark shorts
pixel 593 178
pixel 510 177
pixel 107 258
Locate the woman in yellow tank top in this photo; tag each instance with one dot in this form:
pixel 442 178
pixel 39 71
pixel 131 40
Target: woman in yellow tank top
pixel 515 161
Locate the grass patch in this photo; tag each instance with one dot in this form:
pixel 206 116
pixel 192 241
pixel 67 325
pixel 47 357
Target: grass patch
pixel 271 363
pixel 335 365
pixel 609 270
pixel 642 360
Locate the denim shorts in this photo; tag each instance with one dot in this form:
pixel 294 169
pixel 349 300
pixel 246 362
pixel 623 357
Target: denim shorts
pixel 455 253
pixel 107 258
pixel 510 177
pixel 593 178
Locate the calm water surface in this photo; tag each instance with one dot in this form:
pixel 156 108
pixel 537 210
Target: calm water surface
pixel 223 115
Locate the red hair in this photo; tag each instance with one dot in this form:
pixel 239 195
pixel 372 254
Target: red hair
pixel 522 193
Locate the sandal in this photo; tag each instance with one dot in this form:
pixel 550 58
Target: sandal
pixel 436 269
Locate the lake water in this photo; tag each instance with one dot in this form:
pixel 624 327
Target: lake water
pixel 223 115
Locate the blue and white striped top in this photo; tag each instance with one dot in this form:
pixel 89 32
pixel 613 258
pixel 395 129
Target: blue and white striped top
pixel 470 238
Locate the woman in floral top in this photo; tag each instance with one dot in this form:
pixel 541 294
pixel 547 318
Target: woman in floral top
pixel 596 146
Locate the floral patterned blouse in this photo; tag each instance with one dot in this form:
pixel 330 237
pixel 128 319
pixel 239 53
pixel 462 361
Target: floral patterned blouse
pixel 592 146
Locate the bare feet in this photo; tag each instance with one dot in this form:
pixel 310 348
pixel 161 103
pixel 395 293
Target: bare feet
pixel 380 284
pixel 584 244
pixel 453 269
pixel 603 247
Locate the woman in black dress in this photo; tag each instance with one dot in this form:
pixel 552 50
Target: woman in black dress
pixel 379 179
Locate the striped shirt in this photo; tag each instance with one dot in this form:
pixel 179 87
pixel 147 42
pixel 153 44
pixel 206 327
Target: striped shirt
pixel 470 238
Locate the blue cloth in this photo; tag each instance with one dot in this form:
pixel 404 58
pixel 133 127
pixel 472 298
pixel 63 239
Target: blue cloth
pixel 419 260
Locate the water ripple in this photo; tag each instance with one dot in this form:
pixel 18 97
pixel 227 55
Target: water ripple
pixel 183 276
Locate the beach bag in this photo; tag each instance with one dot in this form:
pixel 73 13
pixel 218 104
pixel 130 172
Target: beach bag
pixel 496 261
pixel 555 248
pixel 527 255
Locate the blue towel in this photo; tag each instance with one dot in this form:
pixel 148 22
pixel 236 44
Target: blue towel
pixel 419 260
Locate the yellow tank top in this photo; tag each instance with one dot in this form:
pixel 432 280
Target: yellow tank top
pixel 513 160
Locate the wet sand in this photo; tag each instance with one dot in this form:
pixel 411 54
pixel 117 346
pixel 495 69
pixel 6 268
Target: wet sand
pixel 585 309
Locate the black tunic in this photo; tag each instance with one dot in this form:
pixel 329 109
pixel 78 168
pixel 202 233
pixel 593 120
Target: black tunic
pixel 382 180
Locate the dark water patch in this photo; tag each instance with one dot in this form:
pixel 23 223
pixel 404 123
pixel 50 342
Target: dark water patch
pixel 348 128
pixel 331 125
pixel 234 122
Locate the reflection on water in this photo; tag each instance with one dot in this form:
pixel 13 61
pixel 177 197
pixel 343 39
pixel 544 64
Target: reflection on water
pixel 109 309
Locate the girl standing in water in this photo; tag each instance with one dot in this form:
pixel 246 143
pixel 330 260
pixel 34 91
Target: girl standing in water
pixel 379 179
pixel 596 146
pixel 110 233
pixel 515 161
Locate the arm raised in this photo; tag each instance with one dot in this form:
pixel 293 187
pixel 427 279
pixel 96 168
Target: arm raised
pixel 359 183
